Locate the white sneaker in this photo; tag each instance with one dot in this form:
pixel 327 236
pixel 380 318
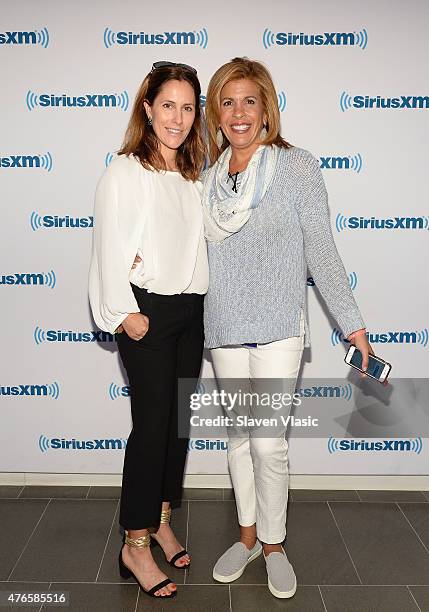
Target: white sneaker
pixel 281 577
pixel 233 562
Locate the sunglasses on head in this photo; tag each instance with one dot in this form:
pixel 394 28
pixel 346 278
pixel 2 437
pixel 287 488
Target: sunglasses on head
pixel 157 65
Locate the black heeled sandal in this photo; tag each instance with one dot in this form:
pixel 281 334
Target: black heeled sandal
pixel 125 572
pixel 165 518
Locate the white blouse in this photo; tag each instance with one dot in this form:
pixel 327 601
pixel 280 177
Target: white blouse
pixel 156 215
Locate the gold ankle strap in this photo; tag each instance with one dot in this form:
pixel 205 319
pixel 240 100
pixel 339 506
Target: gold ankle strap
pixel 165 516
pixel 140 542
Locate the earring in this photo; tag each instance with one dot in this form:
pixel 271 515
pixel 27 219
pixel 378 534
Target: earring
pixel 219 138
pixel 263 133
pixel 149 122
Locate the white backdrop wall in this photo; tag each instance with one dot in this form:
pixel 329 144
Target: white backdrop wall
pixel 61 382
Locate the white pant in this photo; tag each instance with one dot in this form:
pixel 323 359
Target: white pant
pixel 259 466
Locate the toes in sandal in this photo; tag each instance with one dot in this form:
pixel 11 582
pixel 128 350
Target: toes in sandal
pixel 165 518
pixel 125 571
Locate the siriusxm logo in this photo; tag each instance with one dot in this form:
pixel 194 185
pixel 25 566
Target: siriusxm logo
pixel 27 161
pixel 36 278
pixel 411 445
pixel 347 162
pixel 47 100
pixel 49 221
pixel 390 337
pixel 33 37
pixel 347 101
pixel 324 39
pixel 46 444
pixel 352 280
pixel 50 390
pixel 390 223
pixel 115 391
pixel 209 445
pixel 195 37
pixel 342 391
pixel 58 335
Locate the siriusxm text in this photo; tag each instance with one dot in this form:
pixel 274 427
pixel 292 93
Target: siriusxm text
pixel 96 444
pixel 164 38
pixel 22 279
pixel 389 223
pixel 18 38
pixel 29 390
pixel 21 161
pixel 380 445
pixel 325 38
pixel 384 102
pixel 67 221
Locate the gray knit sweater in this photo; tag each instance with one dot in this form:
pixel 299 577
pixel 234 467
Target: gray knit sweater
pixel 258 275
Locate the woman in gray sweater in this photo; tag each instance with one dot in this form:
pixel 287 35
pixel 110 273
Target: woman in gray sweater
pixel 266 220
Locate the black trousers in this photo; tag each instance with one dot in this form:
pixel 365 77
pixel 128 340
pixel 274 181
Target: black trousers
pixel 155 456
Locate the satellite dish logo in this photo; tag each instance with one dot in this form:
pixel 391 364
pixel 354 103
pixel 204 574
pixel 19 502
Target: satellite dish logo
pixel 391 337
pixel 281 96
pixel 411 445
pixel 27 161
pixel 198 38
pixel 33 37
pixel 108 159
pixel 347 162
pixel 352 280
pixel 343 223
pixel 116 392
pixel 301 39
pixel 111 100
pixel 44 443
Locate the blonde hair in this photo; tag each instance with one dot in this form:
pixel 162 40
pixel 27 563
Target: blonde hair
pixel 242 68
pixel 140 139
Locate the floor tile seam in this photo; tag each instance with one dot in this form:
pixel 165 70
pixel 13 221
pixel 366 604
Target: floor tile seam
pixel 413 598
pixel 212 584
pixel 226 501
pixel 137 600
pixel 107 541
pixel 29 538
pixel 354 501
pixel 43 603
pixel 412 527
pixel 344 542
pixel 321 596
pixel 186 539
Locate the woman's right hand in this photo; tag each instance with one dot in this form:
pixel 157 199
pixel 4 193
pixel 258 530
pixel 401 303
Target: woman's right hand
pixel 136 325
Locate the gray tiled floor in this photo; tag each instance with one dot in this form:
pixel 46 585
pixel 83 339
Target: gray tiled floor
pixel 353 551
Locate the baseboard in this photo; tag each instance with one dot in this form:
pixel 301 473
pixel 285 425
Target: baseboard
pixel 222 481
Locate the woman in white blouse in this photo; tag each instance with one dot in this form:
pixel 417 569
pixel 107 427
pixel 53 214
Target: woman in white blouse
pixel 148 202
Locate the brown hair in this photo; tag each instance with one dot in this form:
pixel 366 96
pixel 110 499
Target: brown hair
pixel 242 68
pixel 140 139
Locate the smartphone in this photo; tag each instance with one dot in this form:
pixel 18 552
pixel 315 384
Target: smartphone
pixel 377 367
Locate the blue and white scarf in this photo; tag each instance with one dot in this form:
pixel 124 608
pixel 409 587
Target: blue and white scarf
pixel 225 212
